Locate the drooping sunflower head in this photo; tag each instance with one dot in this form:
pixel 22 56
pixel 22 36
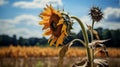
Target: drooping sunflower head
pixel 54 25
pixel 96 14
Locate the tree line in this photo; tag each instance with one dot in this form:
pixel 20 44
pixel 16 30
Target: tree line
pixel 6 40
pixel 113 35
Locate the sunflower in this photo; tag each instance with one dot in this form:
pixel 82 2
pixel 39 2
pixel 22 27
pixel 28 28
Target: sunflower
pixel 96 14
pixel 53 25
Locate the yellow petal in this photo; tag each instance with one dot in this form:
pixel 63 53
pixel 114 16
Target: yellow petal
pixel 54 11
pixel 47 24
pixel 53 41
pixel 43 22
pixel 50 38
pixel 45 27
pixel 45 17
pixel 46 12
pixel 59 14
pixel 47 6
pixel 64 29
pixel 60 22
pixel 47 32
pixel 60 39
pixel 51 8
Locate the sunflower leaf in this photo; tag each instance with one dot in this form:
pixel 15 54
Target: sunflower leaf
pixel 101 62
pixel 95 33
pixel 94 43
pixel 62 53
pixel 103 50
pixel 97 63
pixel 64 49
pixel 82 63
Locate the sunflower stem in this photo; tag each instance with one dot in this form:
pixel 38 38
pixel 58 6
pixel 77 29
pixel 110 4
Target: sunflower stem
pixel 86 40
pixel 92 38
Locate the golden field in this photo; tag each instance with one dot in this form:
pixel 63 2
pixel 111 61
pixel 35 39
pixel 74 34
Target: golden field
pixel 35 51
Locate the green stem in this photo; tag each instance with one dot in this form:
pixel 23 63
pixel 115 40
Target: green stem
pixel 92 38
pixel 83 30
pixel 85 39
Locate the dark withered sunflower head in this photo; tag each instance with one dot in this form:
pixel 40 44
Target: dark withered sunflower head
pixel 96 14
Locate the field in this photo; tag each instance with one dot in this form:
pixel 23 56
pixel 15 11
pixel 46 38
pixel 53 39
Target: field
pixel 17 56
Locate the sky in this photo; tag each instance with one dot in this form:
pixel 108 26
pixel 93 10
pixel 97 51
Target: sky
pixel 21 17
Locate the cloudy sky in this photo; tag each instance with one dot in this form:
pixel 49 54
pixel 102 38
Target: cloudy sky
pixel 20 17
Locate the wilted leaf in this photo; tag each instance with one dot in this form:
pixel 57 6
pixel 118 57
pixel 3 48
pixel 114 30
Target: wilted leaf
pixel 101 63
pixel 103 50
pixel 94 43
pixel 64 49
pixel 95 33
pixel 100 41
pixel 97 63
pixel 62 53
pixel 81 63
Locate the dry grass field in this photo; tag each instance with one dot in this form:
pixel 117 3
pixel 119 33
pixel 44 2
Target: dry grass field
pixel 17 56
pixel 34 51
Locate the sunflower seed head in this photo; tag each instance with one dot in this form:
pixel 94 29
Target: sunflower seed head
pixel 96 14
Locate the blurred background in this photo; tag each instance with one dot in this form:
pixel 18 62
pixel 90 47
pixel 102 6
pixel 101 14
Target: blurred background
pixel 19 20
pixel 19 26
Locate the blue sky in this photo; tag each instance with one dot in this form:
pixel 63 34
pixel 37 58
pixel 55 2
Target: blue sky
pixel 20 17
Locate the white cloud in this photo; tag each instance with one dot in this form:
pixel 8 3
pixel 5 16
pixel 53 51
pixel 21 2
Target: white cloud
pixel 76 28
pixel 112 13
pixel 3 2
pixel 111 25
pixel 22 25
pixel 24 32
pixel 112 18
pixel 37 3
pixel 5 26
pixel 28 19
